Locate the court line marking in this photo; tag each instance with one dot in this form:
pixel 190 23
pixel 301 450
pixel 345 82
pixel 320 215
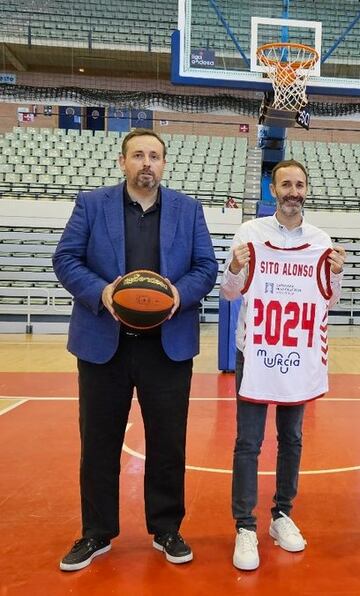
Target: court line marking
pixel 138 455
pixel 12 406
pixel 220 399
pixel 39 398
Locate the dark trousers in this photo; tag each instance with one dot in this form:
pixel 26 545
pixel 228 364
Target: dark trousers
pixel 105 392
pixel 251 418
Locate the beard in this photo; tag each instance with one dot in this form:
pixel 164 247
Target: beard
pixel 146 179
pixel 291 205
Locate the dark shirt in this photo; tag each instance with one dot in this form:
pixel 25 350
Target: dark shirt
pixel 142 242
pixel 142 245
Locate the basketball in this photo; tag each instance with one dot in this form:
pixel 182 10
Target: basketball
pixel 143 299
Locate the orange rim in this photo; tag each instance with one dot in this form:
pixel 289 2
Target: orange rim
pixel 308 63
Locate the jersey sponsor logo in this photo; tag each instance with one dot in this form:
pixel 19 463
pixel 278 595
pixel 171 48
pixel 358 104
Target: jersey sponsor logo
pixel 269 287
pixel 281 289
pixel 283 363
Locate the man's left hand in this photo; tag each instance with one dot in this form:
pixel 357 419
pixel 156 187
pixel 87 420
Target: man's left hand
pixel 337 259
pixel 176 298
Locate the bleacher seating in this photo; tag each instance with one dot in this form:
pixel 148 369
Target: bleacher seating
pixel 136 23
pixel 30 294
pixel 47 163
pixel 51 163
pixel 31 298
pixel 334 170
pixel 111 24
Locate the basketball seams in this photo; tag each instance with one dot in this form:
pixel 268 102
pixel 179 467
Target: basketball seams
pixel 143 299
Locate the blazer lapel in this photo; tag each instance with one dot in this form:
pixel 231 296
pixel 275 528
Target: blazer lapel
pixel 114 217
pixel 168 224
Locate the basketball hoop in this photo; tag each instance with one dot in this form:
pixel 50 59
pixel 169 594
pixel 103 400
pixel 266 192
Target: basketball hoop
pixel 288 66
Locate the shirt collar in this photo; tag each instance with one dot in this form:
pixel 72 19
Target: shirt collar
pixel 128 200
pixel 298 230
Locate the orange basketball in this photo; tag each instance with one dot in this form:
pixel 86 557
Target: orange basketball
pixel 143 299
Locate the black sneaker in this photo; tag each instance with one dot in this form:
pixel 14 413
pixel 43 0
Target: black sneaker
pixel 173 545
pixel 83 552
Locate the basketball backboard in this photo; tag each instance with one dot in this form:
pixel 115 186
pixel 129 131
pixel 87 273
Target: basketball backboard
pixel 216 42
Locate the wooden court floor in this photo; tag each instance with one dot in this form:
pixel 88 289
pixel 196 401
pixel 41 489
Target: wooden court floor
pixel 39 500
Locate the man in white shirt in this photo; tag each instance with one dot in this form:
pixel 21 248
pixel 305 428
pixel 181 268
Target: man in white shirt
pixel 286 229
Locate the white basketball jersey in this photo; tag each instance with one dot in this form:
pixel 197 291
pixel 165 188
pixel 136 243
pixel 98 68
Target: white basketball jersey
pixel 286 350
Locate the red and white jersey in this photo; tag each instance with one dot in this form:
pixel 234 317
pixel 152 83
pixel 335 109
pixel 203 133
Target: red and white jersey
pixel 286 350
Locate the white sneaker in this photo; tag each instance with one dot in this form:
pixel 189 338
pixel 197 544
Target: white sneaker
pixel 246 554
pixel 286 534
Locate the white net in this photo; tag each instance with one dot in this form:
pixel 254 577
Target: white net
pixel 288 66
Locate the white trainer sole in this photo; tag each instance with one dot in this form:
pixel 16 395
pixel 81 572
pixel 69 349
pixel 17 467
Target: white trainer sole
pixel 170 558
pixel 290 548
pixel 246 567
pixel 77 566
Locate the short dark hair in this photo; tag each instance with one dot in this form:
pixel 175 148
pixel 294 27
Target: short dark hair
pixel 140 132
pixel 287 163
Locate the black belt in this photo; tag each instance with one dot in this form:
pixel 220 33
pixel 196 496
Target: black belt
pixel 138 334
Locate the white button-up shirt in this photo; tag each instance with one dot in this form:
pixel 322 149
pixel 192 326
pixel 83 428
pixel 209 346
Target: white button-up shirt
pixel 266 229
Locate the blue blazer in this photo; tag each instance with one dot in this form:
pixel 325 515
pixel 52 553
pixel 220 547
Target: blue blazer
pixel 91 254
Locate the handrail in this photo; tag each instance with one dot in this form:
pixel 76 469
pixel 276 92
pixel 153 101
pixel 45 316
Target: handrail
pixel 16 190
pixel 30 309
pixel 207 311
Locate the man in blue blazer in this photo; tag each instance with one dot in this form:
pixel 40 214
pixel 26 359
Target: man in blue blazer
pixel 113 230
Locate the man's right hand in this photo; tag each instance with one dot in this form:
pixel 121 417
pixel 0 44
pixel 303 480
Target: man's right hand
pixel 106 297
pixel 241 258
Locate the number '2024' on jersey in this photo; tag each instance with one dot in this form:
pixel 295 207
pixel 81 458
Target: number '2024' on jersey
pixel 286 348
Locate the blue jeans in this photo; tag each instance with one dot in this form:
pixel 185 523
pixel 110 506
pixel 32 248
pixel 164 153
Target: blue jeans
pixel 251 419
